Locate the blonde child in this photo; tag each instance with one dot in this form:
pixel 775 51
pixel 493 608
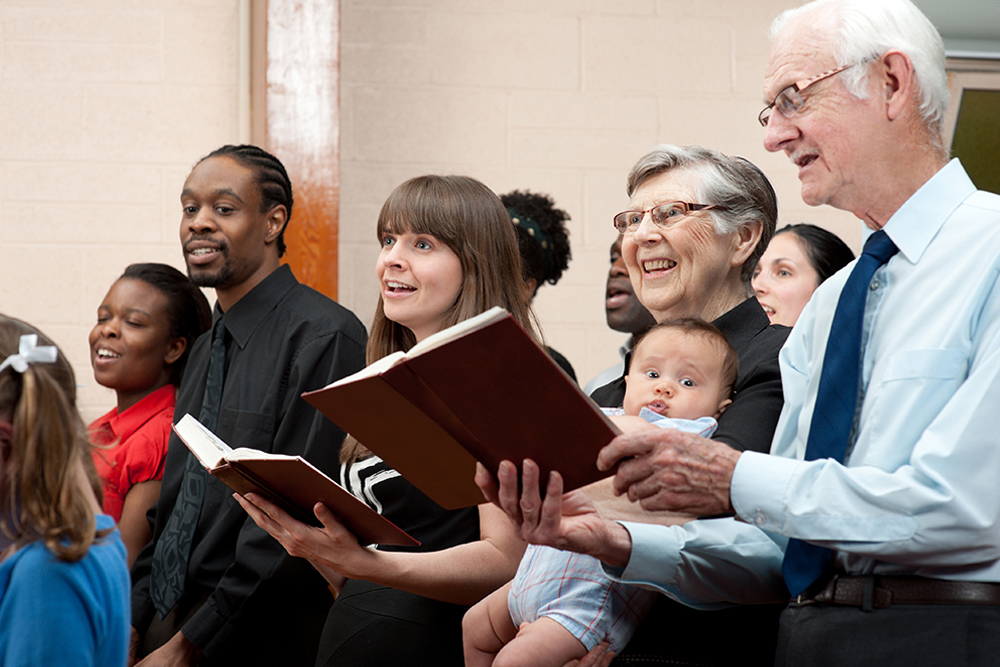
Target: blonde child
pixel 64 586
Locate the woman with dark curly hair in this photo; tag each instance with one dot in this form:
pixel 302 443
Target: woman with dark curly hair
pixel 543 241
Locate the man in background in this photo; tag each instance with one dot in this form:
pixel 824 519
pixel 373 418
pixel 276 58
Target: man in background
pixel 624 313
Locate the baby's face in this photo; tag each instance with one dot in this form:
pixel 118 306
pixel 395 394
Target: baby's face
pixel 676 374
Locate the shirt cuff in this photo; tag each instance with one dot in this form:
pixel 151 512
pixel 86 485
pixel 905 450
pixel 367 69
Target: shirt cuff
pixel 207 629
pixel 142 610
pixel 752 490
pixel 655 555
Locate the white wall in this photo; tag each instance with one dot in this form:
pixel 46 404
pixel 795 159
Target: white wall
pixel 106 104
pixel 557 96
pixel 104 107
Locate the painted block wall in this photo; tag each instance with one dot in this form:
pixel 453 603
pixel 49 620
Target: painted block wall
pixel 106 104
pixel 556 96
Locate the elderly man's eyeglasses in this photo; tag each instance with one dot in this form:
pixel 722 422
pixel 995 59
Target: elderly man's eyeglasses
pixel 663 215
pixel 789 101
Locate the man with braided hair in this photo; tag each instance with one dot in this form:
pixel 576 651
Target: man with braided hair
pixel 212 588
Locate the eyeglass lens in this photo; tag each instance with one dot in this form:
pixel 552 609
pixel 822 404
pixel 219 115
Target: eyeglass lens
pixel 662 215
pixel 788 102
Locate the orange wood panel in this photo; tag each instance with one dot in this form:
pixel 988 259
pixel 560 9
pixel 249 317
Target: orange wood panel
pixel 295 61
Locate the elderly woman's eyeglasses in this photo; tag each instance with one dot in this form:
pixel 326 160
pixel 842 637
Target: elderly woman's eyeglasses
pixel 663 215
pixel 789 101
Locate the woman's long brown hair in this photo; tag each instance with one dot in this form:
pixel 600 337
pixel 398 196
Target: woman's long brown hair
pixel 470 219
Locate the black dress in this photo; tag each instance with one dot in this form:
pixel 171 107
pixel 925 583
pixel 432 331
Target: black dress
pixel 370 624
pixel 562 361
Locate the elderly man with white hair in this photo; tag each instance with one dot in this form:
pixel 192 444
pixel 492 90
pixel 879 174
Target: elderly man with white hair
pixel 885 463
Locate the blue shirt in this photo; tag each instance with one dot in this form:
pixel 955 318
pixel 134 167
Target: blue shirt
pixel 58 613
pixel 919 492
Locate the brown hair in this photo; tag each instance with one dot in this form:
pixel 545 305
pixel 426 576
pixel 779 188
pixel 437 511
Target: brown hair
pixel 469 218
pixel 43 497
pixel 698 327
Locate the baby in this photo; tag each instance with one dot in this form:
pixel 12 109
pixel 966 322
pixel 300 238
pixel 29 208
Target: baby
pixel 560 604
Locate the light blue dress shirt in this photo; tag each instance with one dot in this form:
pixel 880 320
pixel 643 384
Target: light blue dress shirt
pixel 920 492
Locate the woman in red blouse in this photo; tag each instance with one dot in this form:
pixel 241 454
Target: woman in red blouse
pixel 145 326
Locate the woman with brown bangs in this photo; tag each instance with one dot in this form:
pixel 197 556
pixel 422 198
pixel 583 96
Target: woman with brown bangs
pixel 64 586
pixel 448 253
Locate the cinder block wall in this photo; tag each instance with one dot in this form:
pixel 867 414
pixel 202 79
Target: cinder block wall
pixel 106 104
pixel 557 96
pixel 104 107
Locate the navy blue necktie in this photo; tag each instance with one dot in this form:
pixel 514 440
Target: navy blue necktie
pixel 170 556
pixel 837 399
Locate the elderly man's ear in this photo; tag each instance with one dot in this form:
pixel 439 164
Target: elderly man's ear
pixel 897 87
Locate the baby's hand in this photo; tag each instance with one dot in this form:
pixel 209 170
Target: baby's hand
pixel 630 424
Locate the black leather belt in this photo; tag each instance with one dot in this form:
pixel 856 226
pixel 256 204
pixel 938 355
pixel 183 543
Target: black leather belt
pixel 879 592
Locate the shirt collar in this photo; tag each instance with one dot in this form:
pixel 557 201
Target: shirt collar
pixel 124 424
pixel 627 346
pixel 918 220
pixel 243 318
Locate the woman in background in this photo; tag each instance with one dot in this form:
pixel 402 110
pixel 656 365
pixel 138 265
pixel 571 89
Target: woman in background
pixel 146 325
pixel 448 253
pixel 799 258
pixel 64 585
pixel 543 240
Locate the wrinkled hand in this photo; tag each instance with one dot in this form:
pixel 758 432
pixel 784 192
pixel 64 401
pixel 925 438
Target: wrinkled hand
pixel 670 470
pixel 331 546
pixel 565 521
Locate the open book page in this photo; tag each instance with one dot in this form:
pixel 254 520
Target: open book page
pixel 212 452
pixel 205 445
pixel 290 482
pixel 457 331
pixel 373 369
pixel 440 338
pixel 247 454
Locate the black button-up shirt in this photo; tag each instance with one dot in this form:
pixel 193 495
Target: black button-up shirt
pixel 284 339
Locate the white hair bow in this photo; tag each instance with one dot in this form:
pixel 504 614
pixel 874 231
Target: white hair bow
pixel 28 352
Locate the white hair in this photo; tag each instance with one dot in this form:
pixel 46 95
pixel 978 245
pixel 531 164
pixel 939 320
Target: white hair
pixel 731 182
pixel 865 29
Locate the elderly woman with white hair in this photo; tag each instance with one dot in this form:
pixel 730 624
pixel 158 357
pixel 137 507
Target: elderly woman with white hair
pixel 696 225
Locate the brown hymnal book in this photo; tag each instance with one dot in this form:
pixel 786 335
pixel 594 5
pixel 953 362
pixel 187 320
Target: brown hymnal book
pixel 290 482
pixel 480 390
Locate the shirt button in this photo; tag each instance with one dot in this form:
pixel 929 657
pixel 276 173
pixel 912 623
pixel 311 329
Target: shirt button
pixel 874 286
pixel 759 519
